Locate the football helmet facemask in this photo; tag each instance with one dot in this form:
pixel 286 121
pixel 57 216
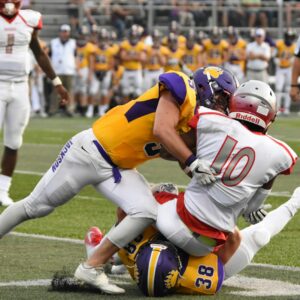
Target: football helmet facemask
pixel 254 102
pixel 214 86
pixel 10 8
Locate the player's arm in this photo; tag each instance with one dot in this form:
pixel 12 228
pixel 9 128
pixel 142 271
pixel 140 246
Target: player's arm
pixel 166 119
pixel 254 211
pixel 189 139
pixel 45 64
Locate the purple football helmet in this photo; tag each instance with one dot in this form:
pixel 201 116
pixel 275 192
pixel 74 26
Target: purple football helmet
pixel 157 269
pixel 211 81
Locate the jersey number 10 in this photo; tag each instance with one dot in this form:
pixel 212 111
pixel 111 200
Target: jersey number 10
pixel 223 157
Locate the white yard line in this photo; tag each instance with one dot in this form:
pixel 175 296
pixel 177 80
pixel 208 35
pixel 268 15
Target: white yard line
pixel 77 241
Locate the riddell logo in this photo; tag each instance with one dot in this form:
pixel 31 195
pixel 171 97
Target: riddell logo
pixel 248 118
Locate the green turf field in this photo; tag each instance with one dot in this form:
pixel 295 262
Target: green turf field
pixel 27 258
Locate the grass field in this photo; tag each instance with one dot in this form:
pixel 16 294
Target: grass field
pixel 24 258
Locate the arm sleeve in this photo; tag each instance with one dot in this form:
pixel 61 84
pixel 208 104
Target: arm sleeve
pixel 174 83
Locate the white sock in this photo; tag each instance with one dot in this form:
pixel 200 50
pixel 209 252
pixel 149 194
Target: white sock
pixel 5 183
pixel 257 236
pixel 102 109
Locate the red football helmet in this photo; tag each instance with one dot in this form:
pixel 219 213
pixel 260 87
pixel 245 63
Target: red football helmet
pixel 254 102
pixel 10 7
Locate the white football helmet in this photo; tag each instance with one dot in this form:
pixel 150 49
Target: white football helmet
pixel 255 102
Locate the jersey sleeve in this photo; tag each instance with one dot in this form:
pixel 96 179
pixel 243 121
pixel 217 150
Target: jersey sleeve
pixel 32 18
pixel 174 83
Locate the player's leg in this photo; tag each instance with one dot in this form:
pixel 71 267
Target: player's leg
pixel 73 169
pixel 286 91
pixel 170 225
pixel 257 236
pixel 104 101
pixel 134 196
pixel 15 121
pixel 279 79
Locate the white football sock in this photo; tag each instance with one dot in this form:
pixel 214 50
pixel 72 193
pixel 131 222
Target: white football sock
pixel 5 183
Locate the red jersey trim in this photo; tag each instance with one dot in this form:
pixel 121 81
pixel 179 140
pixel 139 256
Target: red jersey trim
pixel 39 25
pixel 194 120
pixel 196 225
pixel 9 20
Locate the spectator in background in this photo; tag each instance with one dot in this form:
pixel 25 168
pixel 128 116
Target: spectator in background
pixel 118 19
pixel 63 57
pixel 258 56
pixel 255 13
pixel 233 14
pixel 26 4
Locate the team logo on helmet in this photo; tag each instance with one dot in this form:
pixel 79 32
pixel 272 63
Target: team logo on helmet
pixel 156 270
pixel 214 72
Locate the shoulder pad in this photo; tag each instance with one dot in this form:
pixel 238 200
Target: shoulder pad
pixel 175 84
pixel 32 18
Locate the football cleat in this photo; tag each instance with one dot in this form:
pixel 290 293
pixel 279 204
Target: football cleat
pixel 93 237
pixel 97 278
pixel 295 199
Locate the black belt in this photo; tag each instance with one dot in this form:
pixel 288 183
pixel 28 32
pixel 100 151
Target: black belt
pixel 255 70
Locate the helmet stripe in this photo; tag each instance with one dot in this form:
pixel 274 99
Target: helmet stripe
pixel 152 269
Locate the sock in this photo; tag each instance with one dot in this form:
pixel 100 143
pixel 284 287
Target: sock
pixel 12 216
pixel 5 183
pixel 102 109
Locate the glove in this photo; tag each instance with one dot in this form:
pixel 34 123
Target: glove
pixel 255 216
pixel 165 187
pixel 202 172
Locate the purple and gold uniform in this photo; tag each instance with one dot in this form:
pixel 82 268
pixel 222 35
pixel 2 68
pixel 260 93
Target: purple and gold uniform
pixel 84 54
pixel 191 57
pixel 126 131
pixel 215 52
pixel 285 54
pixel 132 50
pixel 198 275
pixel 174 59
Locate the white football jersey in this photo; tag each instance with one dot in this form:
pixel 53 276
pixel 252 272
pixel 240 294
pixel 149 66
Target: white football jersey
pixel 15 37
pixel 243 161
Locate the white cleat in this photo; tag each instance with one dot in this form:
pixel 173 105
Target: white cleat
pixel 6 201
pixel 98 279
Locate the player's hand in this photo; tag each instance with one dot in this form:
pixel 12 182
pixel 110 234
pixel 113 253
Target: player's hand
pixel 295 93
pixel 63 93
pixel 202 172
pixel 255 216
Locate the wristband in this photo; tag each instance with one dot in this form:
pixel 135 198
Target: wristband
pixel 295 85
pixel 56 81
pixel 190 160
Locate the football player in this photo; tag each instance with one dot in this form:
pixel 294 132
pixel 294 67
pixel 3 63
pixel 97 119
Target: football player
pixel 175 29
pixel 104 65
pixel 132 56
pixel 215 48
pixel 244 159
pixel 156 60
pixel 19 32
pixel 175 54
pixel 160 269
pixel 85 69
pixel 106 155
pixel 285 50
pixel 236 54
pixel 192 58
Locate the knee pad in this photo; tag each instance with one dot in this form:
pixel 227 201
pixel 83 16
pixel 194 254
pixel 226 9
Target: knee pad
pixel 13 142
pixel 261 237
pixel 35 209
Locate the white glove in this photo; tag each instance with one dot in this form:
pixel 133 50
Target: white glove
pixel 202 172
pixel 255 216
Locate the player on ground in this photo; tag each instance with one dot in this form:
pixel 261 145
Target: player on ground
pixel 180 273
pixel 245 161
pixel 19 32
pixel 106 155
